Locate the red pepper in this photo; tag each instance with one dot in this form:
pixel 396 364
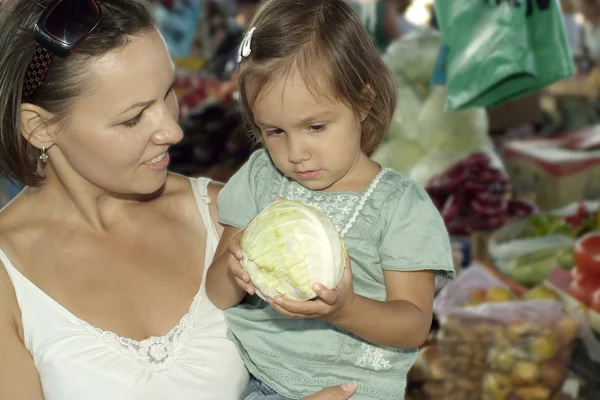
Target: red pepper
pixel 596 301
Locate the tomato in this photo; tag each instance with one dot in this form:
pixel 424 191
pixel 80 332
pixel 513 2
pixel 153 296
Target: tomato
pixel 596 301
pixel 576 274
pixel 583 288
pixel 587 254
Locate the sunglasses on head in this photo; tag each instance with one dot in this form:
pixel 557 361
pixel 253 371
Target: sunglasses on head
pixel 63 25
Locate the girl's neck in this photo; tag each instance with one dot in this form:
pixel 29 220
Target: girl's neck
pixel 358 177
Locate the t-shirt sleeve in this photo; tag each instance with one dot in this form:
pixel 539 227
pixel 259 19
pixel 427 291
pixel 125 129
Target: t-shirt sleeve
pixel 415 237
pixel 240 199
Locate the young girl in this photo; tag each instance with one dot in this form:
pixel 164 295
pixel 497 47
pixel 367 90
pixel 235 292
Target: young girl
pixel 316 93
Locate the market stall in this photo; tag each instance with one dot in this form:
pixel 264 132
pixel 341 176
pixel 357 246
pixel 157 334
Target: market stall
pixel 517 183
pixel 203 37
pixel 519 197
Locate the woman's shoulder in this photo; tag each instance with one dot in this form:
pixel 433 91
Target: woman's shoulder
pixel 19 223
pixel 9 308
pixel 187 194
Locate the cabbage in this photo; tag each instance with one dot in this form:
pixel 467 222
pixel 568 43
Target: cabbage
pixel 423 138
pixel 465 130
pixel 399 154
pixel 408 106
pixel 413 57
pixel 290 246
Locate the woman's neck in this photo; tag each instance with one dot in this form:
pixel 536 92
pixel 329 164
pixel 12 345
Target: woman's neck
pixel 76 200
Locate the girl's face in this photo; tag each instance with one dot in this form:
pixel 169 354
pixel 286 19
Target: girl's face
pixel 312 139
pixel 121 128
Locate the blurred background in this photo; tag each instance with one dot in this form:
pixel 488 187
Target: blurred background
pixel 509 153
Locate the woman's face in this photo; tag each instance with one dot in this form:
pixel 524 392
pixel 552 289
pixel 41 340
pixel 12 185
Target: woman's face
pixel 123 125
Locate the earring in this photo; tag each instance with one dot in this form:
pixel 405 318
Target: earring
pixel 43 155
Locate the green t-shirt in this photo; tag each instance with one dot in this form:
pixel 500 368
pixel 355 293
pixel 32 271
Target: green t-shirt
pixel 392 225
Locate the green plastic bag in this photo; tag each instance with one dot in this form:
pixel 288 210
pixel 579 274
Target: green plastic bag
pixel 499 50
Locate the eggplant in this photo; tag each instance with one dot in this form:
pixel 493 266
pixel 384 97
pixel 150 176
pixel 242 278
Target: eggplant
pixel 488 210
pixel 489 198
pixel 448 181
pixel 476 160
pixel 520 208
pixel 452 207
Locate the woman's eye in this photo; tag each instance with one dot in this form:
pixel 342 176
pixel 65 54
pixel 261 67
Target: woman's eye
pixel 134 121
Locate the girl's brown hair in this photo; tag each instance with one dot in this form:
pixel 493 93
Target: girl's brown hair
pixel 66 77
pixel 325 42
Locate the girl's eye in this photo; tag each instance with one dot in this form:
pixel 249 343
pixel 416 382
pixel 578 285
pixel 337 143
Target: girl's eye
pixel 134 121
pixel 274 132
pixel 318 127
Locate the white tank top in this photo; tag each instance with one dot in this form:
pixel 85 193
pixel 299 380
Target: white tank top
pixel 77 361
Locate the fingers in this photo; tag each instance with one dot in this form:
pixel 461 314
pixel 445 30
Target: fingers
pixel 234 246
pixel 327 296
pixel 236 268
pixel 242 278
pixel 247 287
pixel 297 309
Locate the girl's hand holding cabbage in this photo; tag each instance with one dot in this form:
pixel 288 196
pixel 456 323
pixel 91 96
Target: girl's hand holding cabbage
pixel 330 304
pixel 291 253
pixel 235 268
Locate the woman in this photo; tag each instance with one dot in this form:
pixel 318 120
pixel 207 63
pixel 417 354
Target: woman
pixel 101 294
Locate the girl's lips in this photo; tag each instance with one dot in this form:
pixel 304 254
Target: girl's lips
pixel 308 175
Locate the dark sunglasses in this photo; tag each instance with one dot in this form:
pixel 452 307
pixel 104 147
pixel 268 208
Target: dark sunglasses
pixel 63 25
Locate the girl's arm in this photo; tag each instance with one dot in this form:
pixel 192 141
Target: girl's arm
pixel 221 286
pixel 402 321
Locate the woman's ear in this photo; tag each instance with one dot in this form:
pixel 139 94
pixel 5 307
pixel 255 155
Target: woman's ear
pixel 35 126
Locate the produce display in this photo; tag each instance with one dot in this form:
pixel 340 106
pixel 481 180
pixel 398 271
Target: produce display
pixel 290 246
pixel 489 360
pixel 585 285
pixel 581 222
pixel 498 294
pixel 534 268
pixel 195 91
pixel 494 294
pixel 473 196
pixel 424 138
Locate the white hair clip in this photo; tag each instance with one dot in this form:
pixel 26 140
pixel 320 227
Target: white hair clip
pixel 245 50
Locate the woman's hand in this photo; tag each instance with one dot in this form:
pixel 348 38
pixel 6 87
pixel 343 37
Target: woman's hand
pixel 341 392
pixel 330 304
pixel 235 267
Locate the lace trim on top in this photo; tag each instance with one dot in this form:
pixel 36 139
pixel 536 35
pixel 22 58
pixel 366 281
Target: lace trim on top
pixel 343 208
pixel 157 353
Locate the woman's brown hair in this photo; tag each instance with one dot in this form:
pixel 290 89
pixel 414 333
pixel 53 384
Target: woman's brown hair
pixel 65 79
pixel 325 42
